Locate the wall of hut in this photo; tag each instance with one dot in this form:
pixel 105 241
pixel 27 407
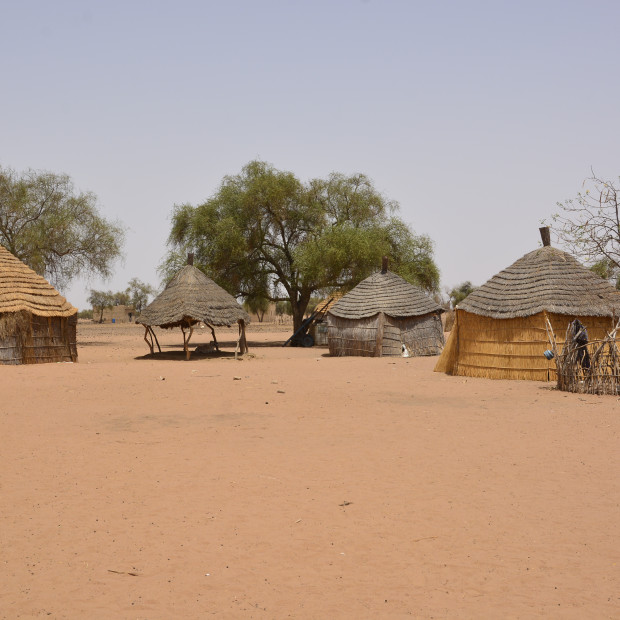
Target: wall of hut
pixel 116 314
pixel 480 346
pixel 383 336
pixel 26 338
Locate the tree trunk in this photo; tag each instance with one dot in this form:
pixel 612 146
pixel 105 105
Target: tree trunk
pixel 298 308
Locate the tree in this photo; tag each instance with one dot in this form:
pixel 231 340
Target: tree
pixel 264 233
pixel 257 305
pixel 589 225
pixel 459 292
pixel 55 230
pixel 138 294
pixel 100 300
pixel 607 270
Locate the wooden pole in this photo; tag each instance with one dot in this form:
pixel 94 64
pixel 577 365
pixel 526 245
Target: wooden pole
pixel 217 346
pixel 153 335
pixel 146 331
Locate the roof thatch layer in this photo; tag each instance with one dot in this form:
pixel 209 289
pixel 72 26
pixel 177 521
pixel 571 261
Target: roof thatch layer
pixel 190 297
pixel 546 279
pixel 325 304
pixel 385 292
pixel 22 289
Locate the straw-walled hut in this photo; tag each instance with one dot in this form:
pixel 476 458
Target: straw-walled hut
pixel 190 298
pixel 500 331
pixel 385 316
pixel 37 324
pixel 319 328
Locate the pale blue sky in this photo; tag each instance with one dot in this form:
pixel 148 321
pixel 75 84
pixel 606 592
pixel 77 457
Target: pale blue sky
pixel 477 117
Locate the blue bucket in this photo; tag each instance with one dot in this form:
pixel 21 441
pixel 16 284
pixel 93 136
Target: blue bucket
pixel 113 320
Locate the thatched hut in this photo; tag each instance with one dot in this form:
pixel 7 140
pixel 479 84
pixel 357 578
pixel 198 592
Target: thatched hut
pixel 190 298
pixel 37 324
pixel 500 331
pixel 385 316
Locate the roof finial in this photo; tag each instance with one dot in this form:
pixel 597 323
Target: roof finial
pixel 384 264
pixel 545 235
pixel 190 258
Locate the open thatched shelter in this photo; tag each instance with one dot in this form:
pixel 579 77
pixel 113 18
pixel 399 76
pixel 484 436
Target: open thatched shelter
pixel 500 331
pixel 384 316
pixel 189 298
pixel 37 324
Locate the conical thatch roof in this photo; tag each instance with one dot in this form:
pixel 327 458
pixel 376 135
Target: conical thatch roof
pixel 192 296
pixel 22 289
pixel 385 292
pixel 545 279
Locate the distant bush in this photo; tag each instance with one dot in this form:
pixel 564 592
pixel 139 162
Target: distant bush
pixel 85 314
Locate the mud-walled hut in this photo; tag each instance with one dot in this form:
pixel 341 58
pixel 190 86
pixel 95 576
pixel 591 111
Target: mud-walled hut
pixel 500 329
pixel 190 298
pixel 385 316
pixel 37 324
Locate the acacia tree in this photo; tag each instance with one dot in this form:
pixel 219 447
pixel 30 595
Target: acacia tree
pixel 55 230
pixel 589 225
pixel 100 300
pixel 459 292
pixel 257 306
pixel 266 234
pixel 138 294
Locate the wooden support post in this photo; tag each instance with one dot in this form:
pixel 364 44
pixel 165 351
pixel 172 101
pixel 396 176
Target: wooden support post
pixel 153 335
pixel 146 333
pixel 186 341
pixel 217 346
pixel 242 344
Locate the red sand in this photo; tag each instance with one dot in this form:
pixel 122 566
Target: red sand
pixel 310 487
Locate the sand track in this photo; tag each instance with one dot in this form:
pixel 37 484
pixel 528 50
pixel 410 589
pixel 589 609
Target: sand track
pixel 309 487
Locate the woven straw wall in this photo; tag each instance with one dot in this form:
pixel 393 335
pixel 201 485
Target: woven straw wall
pixel 422 335
pixel 481 346
pixel 352 337
pixel 26 338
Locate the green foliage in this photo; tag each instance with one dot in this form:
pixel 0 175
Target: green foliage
pixel 284 308
pixel 257 305
pixel 138 294
pixel 458 293
pixel 607 270
pixel 85 314
pixel 55 230
pixel 312 304
pixel 266 234
pixel 100 300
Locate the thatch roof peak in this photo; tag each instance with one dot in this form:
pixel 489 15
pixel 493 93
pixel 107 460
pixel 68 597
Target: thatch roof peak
pixel 546 279
pixel 384 292
pixel 22 289
pixel 192 296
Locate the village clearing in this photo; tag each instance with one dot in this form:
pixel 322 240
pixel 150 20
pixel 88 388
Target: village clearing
pixel 292 484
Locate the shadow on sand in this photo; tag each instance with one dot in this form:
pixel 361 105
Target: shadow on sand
pixel 175 352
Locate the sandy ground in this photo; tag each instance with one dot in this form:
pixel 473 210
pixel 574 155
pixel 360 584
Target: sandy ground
pixel 292 484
